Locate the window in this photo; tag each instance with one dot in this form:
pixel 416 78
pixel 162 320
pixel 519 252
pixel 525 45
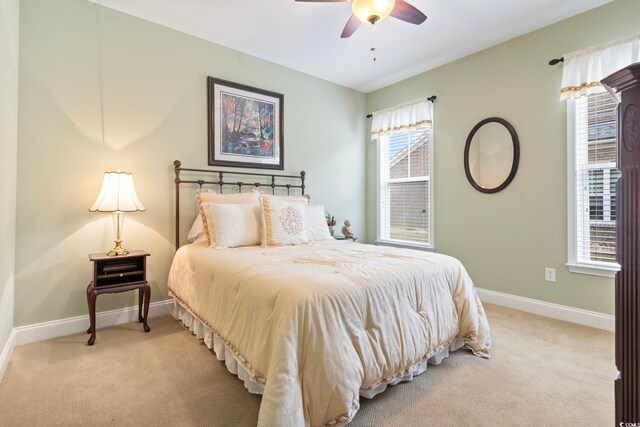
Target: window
pixel 592 184
pixel 405 192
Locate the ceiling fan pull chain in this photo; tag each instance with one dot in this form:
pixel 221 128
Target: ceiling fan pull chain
pixel 373 42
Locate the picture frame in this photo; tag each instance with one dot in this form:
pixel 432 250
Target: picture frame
pixel 246 126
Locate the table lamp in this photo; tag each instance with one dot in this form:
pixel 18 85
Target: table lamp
pixel 117 195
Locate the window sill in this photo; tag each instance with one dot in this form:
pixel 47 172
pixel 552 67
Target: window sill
pixel 406 245
pixel 593 270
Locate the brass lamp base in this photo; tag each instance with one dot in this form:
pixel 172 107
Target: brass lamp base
pixel 118 222
pixel 118 249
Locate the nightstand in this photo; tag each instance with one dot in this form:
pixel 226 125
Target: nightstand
pixel 113 274
pixel 342 238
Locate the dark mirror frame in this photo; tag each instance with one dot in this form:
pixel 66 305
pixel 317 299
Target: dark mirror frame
pixel 516 154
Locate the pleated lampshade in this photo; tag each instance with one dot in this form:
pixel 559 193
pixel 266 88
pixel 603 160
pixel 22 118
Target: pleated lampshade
pixel 117 194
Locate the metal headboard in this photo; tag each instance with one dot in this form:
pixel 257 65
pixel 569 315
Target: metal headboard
pixel 217 177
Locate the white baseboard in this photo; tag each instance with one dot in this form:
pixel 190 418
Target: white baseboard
pixel 7 351
pixel 547 309
pixel 73 325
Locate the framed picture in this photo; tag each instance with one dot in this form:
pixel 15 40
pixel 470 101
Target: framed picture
pixel 245 126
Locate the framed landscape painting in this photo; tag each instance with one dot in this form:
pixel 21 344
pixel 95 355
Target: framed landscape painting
pixel 245 126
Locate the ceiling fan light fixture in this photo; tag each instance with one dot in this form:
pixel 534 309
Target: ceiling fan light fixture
pixel 372 11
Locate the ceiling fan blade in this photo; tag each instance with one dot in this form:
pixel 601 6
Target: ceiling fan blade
pixel 405 12
pixel 324 1
pixel 352 25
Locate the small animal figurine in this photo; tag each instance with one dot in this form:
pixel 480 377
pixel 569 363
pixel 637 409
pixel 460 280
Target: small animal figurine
pixel 346 232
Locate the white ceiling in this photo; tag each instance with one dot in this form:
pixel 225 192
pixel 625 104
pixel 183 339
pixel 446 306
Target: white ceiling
pixel 306 36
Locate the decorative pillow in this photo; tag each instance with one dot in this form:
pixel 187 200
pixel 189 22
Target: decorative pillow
pixel 283 221
pixel 316 223
pixel 205 195
pixel 197 233
pixel 233 225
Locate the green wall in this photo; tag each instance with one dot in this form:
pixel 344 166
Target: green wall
pixel 507 239
pixel 9 23
pixel 101 90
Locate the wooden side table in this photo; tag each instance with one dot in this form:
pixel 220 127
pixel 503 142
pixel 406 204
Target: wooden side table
pixel 112 274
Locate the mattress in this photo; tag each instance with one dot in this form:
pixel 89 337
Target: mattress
pixel 315 326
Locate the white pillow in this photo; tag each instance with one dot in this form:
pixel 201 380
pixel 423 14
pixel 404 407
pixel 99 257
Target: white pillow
pixel 210 196
pixel 283 221
pixel 197 233
pixel 233 225
pixel 316 223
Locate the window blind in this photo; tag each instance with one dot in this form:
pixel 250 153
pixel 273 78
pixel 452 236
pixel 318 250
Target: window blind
pixel 596 176
pixel 405 187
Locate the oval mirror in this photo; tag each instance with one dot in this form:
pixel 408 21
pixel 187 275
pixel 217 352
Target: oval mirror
pixel 491 155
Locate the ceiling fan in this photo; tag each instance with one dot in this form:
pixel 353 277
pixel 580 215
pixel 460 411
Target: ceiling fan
pixel 373 11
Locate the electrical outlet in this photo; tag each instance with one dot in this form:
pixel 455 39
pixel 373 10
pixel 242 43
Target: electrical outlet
pixel 550 274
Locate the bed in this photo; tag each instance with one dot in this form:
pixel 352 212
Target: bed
pixel 314 327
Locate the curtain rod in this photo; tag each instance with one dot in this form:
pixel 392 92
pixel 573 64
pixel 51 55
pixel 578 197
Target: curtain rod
pixel 556 61
pixel 431 98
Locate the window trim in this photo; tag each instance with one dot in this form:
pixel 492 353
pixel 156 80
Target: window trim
pixel 574 266
pixel 432 234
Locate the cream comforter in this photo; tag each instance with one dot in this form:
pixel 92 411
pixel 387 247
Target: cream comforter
pixel 317 323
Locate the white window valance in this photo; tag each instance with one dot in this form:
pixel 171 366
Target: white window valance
pixel 406 117
pixel 583 70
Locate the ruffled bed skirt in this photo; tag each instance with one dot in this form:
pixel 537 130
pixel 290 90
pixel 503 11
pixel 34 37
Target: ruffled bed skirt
pixel 223 353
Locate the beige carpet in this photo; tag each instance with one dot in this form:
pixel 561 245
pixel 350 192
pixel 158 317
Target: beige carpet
pixel 542 373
